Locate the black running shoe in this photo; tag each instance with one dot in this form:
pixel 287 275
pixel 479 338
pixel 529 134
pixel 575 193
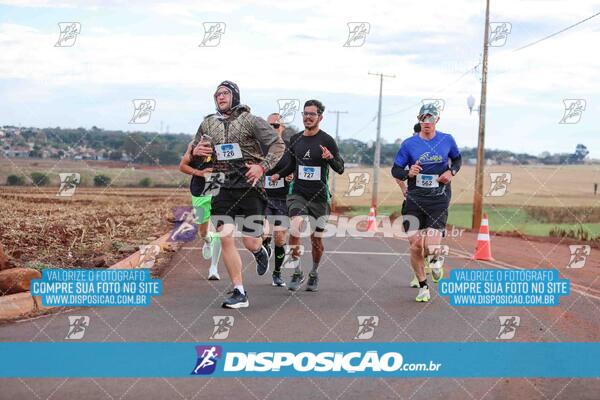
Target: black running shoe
pixel 262 261
pixel 313 282
pixel 237 300
pixel 296 281
pixel 277 281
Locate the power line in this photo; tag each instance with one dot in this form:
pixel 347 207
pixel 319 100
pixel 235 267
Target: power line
pixel 412 106
pixel 557 33
pixel 476 66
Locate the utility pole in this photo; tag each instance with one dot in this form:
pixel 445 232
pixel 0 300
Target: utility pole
pixel 377 143
pixel 478 192
pixel 337 141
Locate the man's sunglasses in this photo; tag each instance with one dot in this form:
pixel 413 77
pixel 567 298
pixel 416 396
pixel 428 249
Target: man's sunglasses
pixel 276 126
pixel 427 119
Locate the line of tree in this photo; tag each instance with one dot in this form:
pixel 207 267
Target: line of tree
pixel 166 149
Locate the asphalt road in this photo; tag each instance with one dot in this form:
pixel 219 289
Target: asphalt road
pixel 359 277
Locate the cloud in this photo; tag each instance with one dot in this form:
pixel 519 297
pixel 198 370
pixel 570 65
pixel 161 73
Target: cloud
pixel 293 49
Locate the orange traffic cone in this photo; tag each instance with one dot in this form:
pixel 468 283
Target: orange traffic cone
pixel 371 221
pixel 483 251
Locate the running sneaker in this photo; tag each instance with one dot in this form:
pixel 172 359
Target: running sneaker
pixel 437 270
pixel 237 300
pixel 427 266
pixel 213 274
pixel 207 249
pixel 262 261
pixel 415 282
pixel 296 281
pixel 277 281
pixel 313 282
pixel 423 295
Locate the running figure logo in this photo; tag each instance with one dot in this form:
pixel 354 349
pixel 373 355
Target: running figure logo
pixel 68 184
pixel 499 184
pixel 579 253
pixel 77 326
pixel 185 225
pixel 68 34
pixel 499 32
pixel 212 183
pixel 357 33
pixel 148 254
pixel 142 110
pixel 223 324
pixel 508 327
pixel 288 109
pixel 357 183
pixel 288 255
pixel 574 108
pixel 212 34
pixel 366 326
pixel 207 359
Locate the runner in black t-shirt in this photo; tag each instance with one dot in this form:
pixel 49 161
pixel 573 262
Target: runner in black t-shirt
pixel 312 153
pixel 276 208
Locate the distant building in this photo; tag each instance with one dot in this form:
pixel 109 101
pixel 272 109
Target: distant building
pixel 17 152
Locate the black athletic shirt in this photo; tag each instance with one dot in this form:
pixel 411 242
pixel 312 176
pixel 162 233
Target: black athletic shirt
pixel 311 170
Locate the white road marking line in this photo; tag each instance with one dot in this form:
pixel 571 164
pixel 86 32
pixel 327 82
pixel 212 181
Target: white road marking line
pixel 370 253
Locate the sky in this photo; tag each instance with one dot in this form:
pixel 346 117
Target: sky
pixel 274 50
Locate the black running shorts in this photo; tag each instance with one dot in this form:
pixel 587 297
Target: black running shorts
pixel 244 206
pixel 425 213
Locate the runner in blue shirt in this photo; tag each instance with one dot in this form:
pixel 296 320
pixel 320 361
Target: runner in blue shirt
pixel 434 159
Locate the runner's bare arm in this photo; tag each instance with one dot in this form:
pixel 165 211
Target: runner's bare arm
pixel 186 168
pixel 403 186
pixel 184 164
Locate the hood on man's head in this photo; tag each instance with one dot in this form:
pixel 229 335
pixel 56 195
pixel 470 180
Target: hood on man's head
pixel 235 93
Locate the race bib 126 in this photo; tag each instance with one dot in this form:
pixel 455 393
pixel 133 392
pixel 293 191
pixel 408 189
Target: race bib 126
pixel 228 151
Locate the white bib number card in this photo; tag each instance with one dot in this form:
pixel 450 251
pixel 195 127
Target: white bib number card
pixel 273 185
pixel 309 173
pixel 427 181
pixel 228 151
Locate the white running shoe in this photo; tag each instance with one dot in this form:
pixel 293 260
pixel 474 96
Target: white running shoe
pixel 213 275
pixel 423 295
pixel 437 269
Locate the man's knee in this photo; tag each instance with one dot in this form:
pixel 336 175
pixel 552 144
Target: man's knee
pixel 252 243
pixel 416 245
pixel 296 226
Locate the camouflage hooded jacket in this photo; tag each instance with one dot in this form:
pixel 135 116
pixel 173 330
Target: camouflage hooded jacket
pixel 249 131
